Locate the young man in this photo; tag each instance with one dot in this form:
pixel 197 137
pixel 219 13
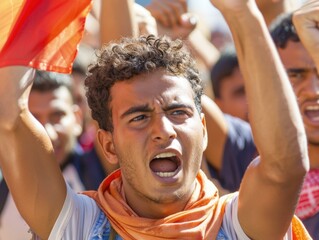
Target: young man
pixel 145 93
pixel 303 75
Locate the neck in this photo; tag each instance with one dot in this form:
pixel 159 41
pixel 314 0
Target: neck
pixel 156 208
pixel 313 151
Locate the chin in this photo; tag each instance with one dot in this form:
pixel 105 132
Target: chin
pixel 313 142
pixel 313 139
pixel 171 197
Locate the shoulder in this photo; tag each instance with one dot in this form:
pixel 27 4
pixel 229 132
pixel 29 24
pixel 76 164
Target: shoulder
pixel 231 228
pixel 80 218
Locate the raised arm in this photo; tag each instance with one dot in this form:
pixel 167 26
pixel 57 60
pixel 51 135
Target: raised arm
pixel 269 190
pixel 26 154
pixel 117 20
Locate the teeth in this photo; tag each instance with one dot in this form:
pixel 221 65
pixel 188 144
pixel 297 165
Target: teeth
pixel 165 174
pixel 165 155
pixel 313 108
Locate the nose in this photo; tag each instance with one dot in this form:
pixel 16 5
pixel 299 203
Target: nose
pixel 163 128
pixel 51 131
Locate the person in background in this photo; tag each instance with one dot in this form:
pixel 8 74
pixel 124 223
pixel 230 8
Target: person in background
pixel 303 75
pixel 228 84
pixel 51 102
pixel 93 156
pixel 228 155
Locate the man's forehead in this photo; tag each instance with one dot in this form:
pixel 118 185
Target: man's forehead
pixel 295 55
pixel 150 98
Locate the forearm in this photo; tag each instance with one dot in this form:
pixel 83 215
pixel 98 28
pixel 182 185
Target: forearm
pixel 217 131
pixel 274 115
pixel 277 127
pixel 26 154
pixel 117 20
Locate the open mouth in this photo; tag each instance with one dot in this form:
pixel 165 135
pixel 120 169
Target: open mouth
pixel 312 113
pixel 165 164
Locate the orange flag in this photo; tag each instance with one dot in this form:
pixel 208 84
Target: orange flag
pixel 42 34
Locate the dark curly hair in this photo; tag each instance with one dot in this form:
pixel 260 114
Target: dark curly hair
pixel 130 57
pixel 283 30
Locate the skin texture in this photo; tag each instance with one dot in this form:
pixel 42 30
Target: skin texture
pixel 166 121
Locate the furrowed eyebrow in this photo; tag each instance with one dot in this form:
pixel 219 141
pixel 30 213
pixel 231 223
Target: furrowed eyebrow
pixel 299 70
pixel 239 90
pixel 176 106
pixel 146 109
pixel 137 109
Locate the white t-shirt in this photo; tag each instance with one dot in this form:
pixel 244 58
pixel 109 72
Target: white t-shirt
pixel 13 226
pixel 82 212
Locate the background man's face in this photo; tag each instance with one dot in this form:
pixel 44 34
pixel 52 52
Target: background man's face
pixel 233 97
pixel 304 78
pixel 55 111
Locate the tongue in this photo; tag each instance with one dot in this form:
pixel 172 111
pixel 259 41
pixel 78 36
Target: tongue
pixel 313 115
pixel 163 165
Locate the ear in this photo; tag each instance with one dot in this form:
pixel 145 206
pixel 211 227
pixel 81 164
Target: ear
pixel 105 141
pixel 205 136
pixel 77 129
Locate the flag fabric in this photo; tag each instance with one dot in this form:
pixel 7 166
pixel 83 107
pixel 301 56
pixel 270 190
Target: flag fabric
pixel 43 34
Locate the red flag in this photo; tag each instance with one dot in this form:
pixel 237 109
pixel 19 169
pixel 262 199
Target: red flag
pixel 42 34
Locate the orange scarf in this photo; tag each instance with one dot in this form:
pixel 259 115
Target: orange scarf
pixel 201 218
pixel 299 231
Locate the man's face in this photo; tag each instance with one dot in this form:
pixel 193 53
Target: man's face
pixel 56 112
pixel 232 96
pixel 158 137
pixel 304 79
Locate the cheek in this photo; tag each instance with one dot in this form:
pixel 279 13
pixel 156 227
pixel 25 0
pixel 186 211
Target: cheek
pixel 129 146
pixel 192 140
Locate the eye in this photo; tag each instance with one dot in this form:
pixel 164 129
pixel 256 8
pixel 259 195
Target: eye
pixel 179 112
pixel 138 118
pixel 56 116
pixel 297 76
